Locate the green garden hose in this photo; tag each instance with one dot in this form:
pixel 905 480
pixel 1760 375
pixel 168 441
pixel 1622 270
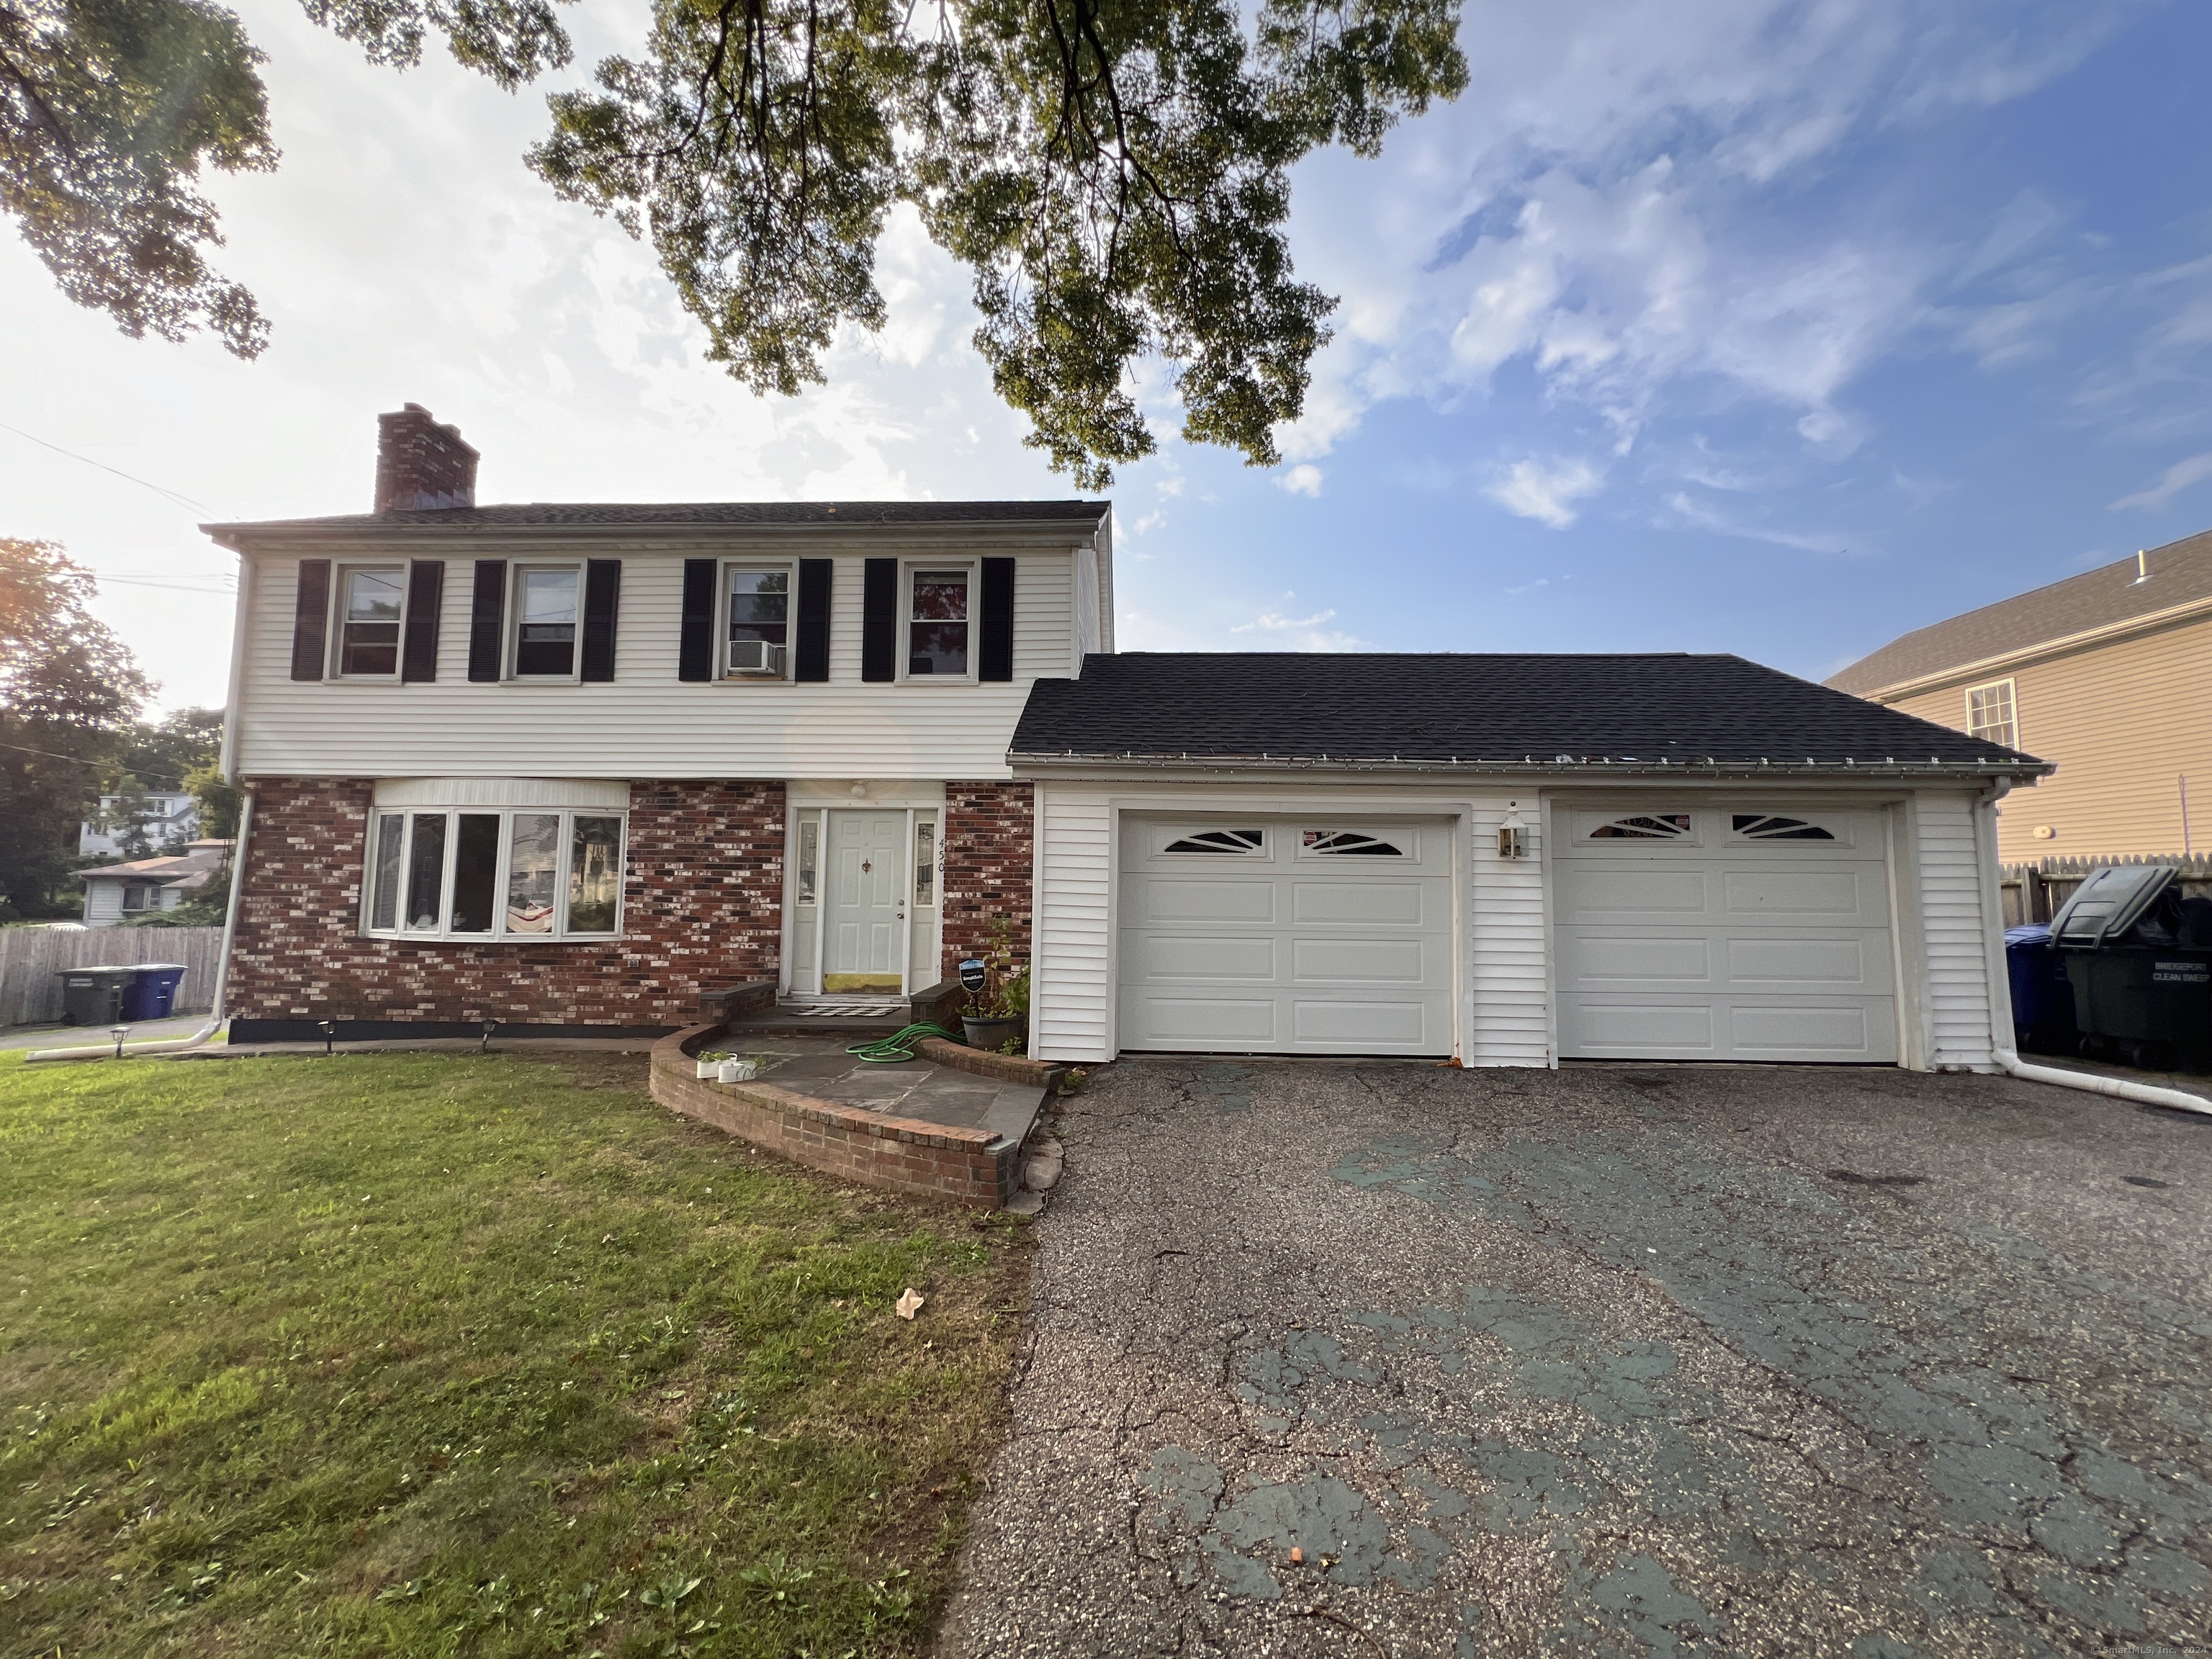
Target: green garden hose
pixel 886 1051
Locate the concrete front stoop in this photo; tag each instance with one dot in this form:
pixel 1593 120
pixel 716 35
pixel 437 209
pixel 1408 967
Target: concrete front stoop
pixel 930 1128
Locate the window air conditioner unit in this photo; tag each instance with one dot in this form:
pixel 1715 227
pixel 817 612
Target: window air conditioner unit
pixel 756 657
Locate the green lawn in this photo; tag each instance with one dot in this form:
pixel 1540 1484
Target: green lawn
pixel 429 1354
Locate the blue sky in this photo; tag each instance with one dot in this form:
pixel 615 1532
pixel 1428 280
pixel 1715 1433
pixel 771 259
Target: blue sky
pixel 1773 328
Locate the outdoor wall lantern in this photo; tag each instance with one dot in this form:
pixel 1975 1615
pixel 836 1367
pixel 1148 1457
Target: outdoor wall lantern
pixel 1512 840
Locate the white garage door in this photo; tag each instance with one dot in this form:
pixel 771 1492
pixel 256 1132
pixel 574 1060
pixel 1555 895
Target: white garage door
pixel 1736 933
pixel 1249 935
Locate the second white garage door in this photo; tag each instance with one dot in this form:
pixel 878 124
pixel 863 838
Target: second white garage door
pixel 1245 934
pixel 1745 933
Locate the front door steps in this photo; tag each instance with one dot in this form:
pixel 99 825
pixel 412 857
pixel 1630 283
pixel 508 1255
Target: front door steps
pixel 950 1124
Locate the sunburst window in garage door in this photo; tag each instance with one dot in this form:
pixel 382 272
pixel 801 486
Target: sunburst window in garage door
pixel 1763 826
pixel 1644 826
pixel 1232 841
pixel 1340 843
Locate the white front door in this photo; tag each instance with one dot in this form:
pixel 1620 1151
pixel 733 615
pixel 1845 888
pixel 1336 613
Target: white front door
pixel 1327 934
pixel 1745 932
pixel 863 925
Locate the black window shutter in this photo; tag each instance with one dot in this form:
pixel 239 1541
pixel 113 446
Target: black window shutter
pixel 602 594
pixel 426 592
pixel 487 620
pixel 815 576
pixel 311 619
pixel 879 620
pixel 695 645
pixel 994 658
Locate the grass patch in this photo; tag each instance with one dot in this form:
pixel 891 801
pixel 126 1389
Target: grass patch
pixel 430 1355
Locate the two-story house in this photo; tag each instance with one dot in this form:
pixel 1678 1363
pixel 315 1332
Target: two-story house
pixel 141 826
pixel 569 767
pixel 2108 674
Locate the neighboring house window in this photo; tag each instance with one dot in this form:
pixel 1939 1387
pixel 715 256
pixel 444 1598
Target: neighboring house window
pixel 758 646
pixel 137 898
pixel 520 872
pixel 547 605
pixel 370 598
pixel 1989 714
pixel 937 623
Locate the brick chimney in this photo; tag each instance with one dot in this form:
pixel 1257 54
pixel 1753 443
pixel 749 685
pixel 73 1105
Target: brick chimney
pixel 421 464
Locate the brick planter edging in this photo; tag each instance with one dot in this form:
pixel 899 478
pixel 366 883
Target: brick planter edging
pixel 1000 1068
pixel 897 1154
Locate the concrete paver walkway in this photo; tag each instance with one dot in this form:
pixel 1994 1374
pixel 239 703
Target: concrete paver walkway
pixel 1373 1359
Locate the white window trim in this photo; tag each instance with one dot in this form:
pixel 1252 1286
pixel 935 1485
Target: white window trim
pixel 973 570
pixel 1167 836
pixel 516 573
pixel 722 623
pixel 2012 710
pixel 336 667
pixel 497 932
pixel 1407 843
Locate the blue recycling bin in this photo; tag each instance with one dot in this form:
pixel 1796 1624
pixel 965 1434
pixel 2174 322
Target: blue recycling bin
pixel 2042 995
pixel 151 992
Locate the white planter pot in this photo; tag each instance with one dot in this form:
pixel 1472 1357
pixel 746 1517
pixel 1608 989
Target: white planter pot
pixel 709 1070
pixel 739 1071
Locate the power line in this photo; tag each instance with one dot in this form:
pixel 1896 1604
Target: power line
pixel 177 496
pixel 80 760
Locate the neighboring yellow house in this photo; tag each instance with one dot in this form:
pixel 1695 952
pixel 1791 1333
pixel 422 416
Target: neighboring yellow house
pixel 2108 674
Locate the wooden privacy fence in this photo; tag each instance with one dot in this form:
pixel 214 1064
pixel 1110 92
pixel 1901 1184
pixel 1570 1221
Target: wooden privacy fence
pixel 33 960
pixel 2038 891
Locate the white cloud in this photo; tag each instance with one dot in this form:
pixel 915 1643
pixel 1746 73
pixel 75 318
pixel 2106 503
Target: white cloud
pixel 2171 483
pixel 1302 480
pixel 1532 490
pixel 1301 633
pixel 1704 518
pixel 1594 209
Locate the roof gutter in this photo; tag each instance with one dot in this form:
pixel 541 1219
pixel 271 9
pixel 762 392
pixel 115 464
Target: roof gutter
pixel 1528 766
pixel 235 536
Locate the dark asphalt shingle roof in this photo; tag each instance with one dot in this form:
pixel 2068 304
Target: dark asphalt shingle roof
pixel 525 515
pixel 1511 709
pixel 2180 573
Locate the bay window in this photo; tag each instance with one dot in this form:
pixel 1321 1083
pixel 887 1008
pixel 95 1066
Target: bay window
pixel 513 872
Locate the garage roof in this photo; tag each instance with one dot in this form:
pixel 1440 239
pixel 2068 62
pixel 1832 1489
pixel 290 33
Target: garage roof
pixel 1499 711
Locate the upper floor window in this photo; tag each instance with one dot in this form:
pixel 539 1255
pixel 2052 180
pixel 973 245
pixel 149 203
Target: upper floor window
pixel 371 599
pixel 1989 714
pixel 759 645
pixel 936 625
pixel 548 602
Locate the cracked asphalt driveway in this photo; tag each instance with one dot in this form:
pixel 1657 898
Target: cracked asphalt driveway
pixel 1336 1358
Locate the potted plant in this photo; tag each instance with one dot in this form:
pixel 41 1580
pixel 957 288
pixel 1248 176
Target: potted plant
pixel 734 1070
pixel 709 1061
pixel 1000 1014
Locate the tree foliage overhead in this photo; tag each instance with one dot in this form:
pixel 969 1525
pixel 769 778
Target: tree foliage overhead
pixel 1115 172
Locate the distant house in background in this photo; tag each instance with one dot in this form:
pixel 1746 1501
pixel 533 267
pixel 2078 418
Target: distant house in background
pixel 2108 674
pixel 124 892
pixel 163 820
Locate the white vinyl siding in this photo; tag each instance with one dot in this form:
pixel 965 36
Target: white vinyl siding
pixel 1072 1002
pixel 646 723
pixel 1954 931
pixel 1511 1023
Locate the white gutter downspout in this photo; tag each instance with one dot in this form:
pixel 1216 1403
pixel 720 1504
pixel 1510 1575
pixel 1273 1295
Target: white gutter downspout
pixel 2005 1055
pixel 217 1015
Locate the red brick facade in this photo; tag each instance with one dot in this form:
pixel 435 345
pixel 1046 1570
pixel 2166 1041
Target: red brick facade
pixel 703 908
pixel 990 834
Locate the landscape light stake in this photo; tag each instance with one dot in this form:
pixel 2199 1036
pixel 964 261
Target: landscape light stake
pixel 489 1026
pixel 119 1032
pixel 330 1030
